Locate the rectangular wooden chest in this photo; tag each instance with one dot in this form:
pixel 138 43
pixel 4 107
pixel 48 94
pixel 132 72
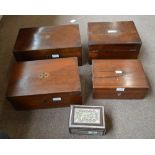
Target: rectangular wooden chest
pixel 45 84
pixel 48 43
pixel 87 120
pixel 113 40
pixel 119 79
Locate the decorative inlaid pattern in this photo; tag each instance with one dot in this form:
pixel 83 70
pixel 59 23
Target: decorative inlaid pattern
pixel 87 115
pixel 43 75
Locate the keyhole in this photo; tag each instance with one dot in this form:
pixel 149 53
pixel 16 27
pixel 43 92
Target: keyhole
pixel 119 94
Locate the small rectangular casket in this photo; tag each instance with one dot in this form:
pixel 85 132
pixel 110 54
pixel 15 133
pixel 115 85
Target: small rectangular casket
pixel 119 79
pixel 87 120
pixel 45 84
pixel 51 42
pixel 113 40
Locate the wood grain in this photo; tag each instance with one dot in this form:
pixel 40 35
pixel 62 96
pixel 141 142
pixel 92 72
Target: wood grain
pixel 40 42
pixel 33 84
pixel 106 80
pixel 113 40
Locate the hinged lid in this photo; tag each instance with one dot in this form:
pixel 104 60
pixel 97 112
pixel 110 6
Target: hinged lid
pixel 87 117
pixel 104 33
pixel 51 37
pixel 45 77
pixel 118 74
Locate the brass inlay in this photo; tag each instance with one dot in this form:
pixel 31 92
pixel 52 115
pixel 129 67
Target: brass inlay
pixel 43 75
pixel 112 74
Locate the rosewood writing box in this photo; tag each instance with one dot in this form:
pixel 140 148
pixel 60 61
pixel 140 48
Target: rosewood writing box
pixel 45 84
pixel 48 43
pixel 87 120
pixel 119 79
pixel 113 40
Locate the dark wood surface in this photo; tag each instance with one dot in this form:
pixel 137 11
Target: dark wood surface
pixel 33 84
pixel 106 80
pixel 113 40
pixel 40 42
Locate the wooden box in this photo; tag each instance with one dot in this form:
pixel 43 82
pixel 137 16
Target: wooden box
pixel 119 79
pixel 45 84
pixel 48 43
pixel 87 120
pixel 113 40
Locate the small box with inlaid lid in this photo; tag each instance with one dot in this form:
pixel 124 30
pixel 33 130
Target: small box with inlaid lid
pixel 119 79
pixel 44 84
pixel 113 40
pixel 88 120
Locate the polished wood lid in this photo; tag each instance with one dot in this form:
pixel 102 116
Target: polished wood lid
pixel 45 77
pixel 118 74
pixel 51 37
pixel 123 32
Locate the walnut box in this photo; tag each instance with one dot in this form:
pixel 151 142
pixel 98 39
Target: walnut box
pixel 119 79
pixel 87 120
pixel 50 42
pixel 45 84
pixel 113 40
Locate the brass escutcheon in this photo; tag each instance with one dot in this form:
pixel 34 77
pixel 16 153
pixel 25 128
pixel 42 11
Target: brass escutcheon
pixel 119 94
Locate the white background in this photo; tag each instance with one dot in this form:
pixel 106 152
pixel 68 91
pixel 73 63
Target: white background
pixel 80 7
pixel 77 147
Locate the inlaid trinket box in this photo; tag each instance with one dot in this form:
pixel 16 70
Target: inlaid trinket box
pixel 88 120
pixel 113 40
pixel 119 79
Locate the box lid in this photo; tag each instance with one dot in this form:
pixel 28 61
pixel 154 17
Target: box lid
pixel 123 32
pixel 84 116
pixel 118 74
pixel 45 77
pixel 51 37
